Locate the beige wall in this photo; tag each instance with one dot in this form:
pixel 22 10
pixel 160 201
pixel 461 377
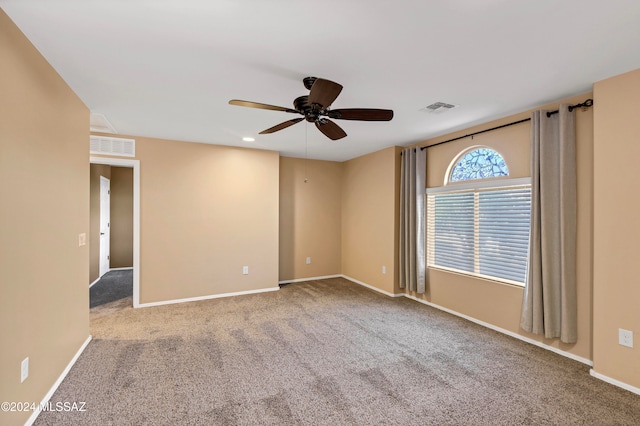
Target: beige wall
pixel 616 227
pixel 44 193
pixel 493 302
pixel 310 218
pixel 95 171
pixel 121 244
pixel 206 211
pixel 370 218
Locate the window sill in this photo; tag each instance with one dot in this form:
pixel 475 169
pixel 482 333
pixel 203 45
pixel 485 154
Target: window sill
pixel 477 276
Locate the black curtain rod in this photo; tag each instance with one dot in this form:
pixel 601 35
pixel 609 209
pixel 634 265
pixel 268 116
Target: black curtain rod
pixel 476 133
pixel 585 104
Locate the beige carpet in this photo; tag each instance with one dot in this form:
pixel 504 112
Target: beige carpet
pixel 323 353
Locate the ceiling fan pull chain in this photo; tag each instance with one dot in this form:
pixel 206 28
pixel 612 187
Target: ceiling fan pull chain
pixel 306 152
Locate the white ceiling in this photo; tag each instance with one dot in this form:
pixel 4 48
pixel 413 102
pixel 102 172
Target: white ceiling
pixel 167 69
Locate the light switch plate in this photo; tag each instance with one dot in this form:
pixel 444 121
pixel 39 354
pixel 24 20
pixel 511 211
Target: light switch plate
pixel 24 369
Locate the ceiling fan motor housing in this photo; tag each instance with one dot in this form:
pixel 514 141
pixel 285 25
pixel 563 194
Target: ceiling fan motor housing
pixel 302 105
pixel 308 82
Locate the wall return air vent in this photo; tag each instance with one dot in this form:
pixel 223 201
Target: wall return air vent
pixel 112 146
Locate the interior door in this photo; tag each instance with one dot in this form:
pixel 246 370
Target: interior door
pixel 105 225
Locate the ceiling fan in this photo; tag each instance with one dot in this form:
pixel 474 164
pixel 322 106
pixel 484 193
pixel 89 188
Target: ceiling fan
pixel 315 108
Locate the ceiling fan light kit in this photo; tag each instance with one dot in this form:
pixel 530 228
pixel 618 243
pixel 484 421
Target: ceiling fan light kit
pixel 315 108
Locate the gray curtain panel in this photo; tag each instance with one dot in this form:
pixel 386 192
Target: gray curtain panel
pixel 412 219
pixel 549 303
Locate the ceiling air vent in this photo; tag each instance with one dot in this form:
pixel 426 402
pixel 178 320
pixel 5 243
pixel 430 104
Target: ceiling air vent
pixel 439 107
pixel 112 146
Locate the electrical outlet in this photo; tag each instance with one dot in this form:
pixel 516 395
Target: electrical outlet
pixel 82 239
pixel 24 369
pixel 308 261
pixel 384 269
pixel 625 337
pixel 245 270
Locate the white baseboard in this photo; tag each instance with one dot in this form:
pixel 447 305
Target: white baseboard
pixel 505 331
pixel 299 280
pixel 213 296
pixel 49 394
pixel 97 279
pixel 370 287
pixel 614 382
pixel 477 321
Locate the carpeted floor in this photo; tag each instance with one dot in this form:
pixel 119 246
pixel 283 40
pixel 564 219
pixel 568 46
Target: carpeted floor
pixel 114 285
pixel 322 353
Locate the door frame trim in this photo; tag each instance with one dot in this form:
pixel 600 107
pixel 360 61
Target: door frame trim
pixel 135 165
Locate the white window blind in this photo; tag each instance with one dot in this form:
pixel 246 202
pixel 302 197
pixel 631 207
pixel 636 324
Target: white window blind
pixel 481 231
pixel 452 230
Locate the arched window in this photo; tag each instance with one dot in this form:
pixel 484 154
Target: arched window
pixel 479 163
pixel 479 225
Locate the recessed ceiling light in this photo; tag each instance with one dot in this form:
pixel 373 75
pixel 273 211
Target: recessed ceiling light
pixel 248 139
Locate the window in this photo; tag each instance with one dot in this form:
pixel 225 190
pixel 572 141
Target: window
pixel 478 164
pixel 478 226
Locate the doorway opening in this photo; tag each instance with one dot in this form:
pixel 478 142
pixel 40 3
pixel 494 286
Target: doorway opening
pixel 135 165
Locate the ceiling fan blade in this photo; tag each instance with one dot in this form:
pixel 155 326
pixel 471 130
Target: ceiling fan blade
pixel 362 114
pixel 330 129
pixel 250 104
pixel 281 126
pixel 324 92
